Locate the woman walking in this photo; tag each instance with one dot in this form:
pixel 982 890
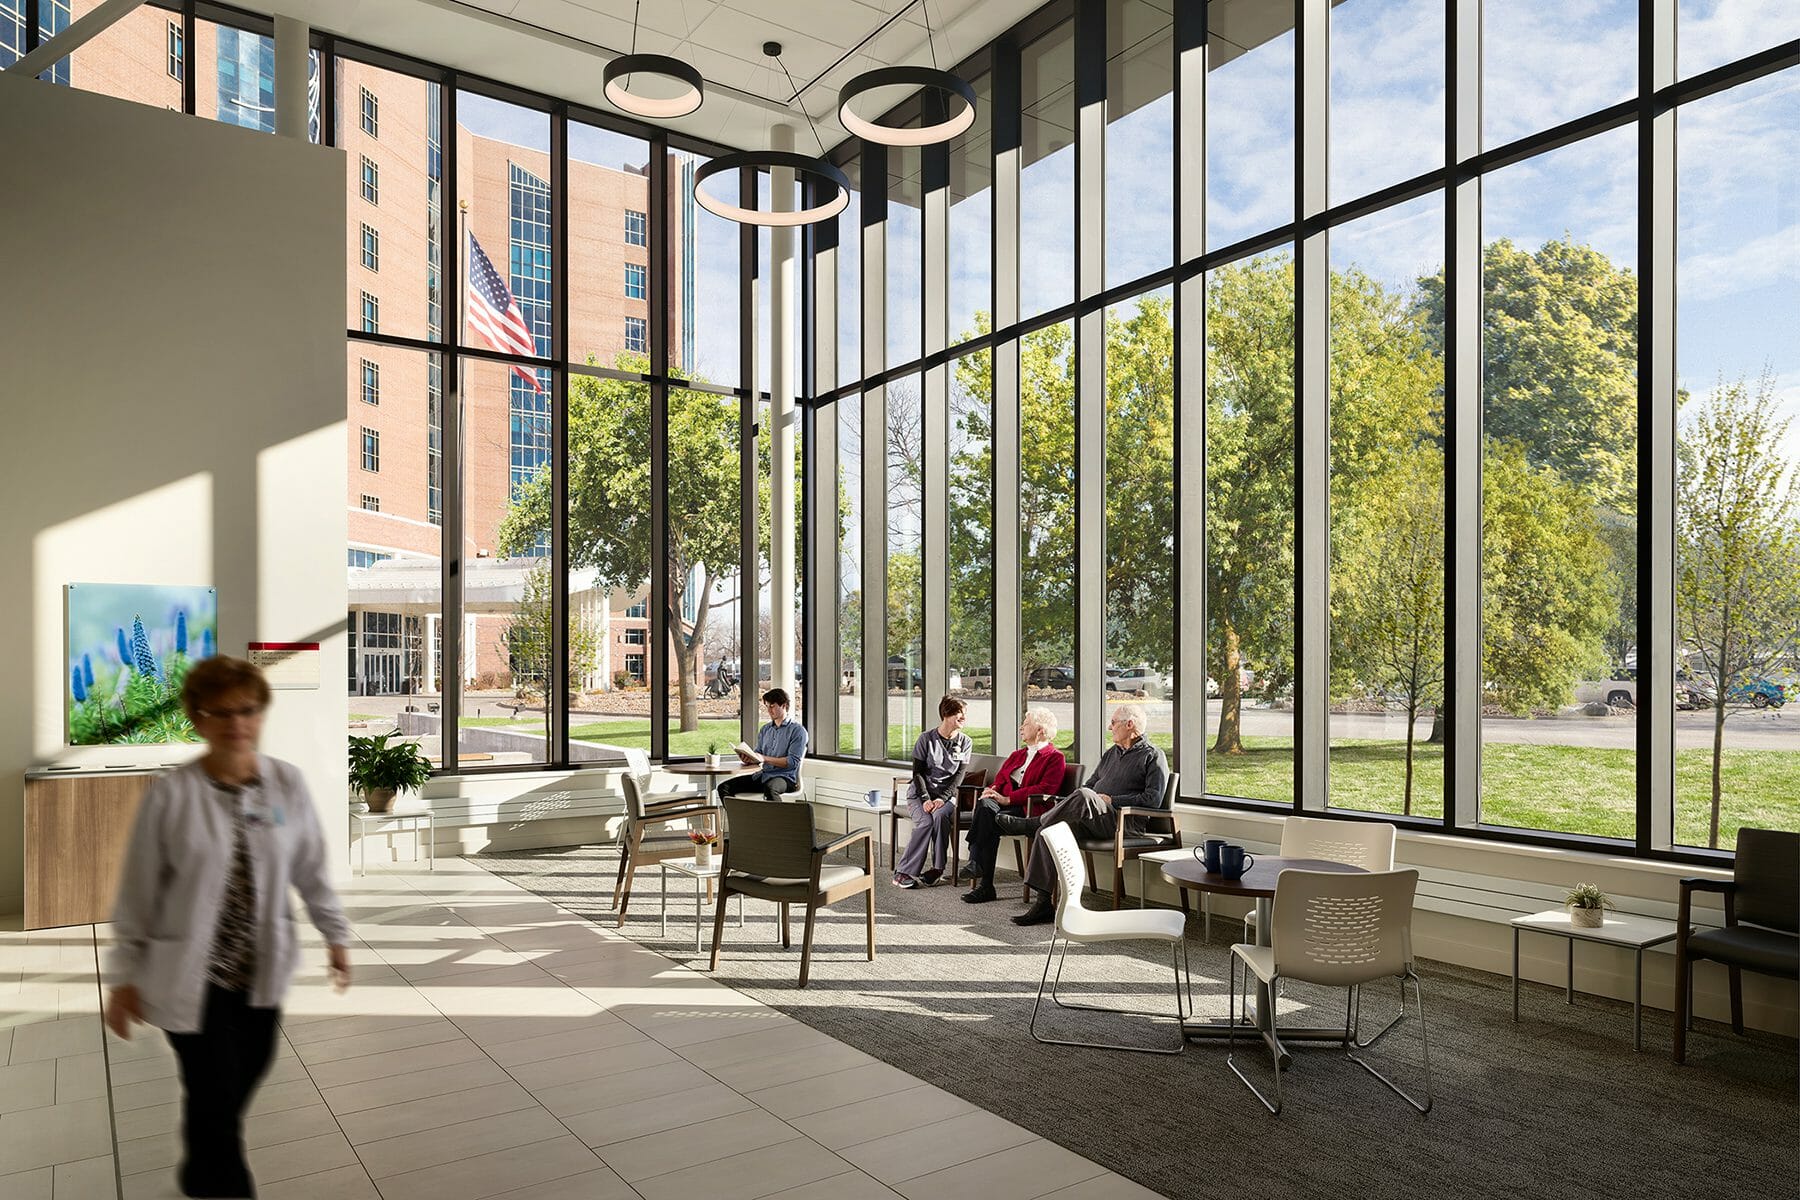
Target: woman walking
pixel 204 942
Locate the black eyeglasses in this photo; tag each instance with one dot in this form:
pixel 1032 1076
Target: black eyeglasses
pixel 225 714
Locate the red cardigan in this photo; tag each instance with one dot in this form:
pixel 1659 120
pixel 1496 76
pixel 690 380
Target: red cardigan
pixel 1044 775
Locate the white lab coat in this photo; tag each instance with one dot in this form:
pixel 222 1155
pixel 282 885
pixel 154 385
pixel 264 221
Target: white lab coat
pixel 173 882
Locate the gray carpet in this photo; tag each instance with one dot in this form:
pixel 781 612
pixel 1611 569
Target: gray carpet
pixel 1557 1105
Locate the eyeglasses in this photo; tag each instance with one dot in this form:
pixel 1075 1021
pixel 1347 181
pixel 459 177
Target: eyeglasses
pixel 225 714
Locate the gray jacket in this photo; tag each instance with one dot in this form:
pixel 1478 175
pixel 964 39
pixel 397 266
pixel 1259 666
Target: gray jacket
pixel 173 881
pixel 1134 776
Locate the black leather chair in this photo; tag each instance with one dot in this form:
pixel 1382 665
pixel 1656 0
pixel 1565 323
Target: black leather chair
pixel 1762 924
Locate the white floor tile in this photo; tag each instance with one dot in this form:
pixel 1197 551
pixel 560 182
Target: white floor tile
pixel 690 1145
pixel 494 1173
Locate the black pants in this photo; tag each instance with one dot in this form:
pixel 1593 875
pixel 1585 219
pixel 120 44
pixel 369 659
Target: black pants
pixel 220 1068
pixel 770 788
pixel 984 835
pixel 1082 811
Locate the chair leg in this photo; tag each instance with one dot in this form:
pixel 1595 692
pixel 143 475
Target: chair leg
pixel 869 899
pixel 630 880
pixel 719 926
pixel 1019 857
pixel 1056 983
pixel 812 910
pixel 1356 1034
pixel 1684 997
pixel 619 883
pixel 786 941
pixel 1231 1039
pixel 1737 1000
pixel 1118 883
pixel 1424 1041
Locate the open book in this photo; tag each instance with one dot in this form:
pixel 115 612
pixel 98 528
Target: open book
pixel 744 752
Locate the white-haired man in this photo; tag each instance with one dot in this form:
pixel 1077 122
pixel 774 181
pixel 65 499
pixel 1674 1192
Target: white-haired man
pixel 1131 774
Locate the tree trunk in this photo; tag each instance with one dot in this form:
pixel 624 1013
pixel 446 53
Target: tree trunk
pixel 1439 714
pixel 1712 833
pixel 1231 695
pixel 1412 717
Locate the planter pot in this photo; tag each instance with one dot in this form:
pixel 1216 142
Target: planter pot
pixel 380 799
pixel 715 760
pixel 1587 918
pixel 703 856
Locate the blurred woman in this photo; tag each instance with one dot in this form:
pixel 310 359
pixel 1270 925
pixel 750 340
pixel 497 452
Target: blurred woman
pixel 1035 768
pixel 940 758
pixel 204 942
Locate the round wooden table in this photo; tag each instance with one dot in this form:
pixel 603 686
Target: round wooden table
pixel 712 774
pixel 1257 884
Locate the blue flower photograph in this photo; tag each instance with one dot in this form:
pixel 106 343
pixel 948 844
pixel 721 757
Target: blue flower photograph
pixel 130 647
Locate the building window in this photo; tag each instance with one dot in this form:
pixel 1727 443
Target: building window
pixel 177 56
pixel 371 113
pixel 371 314
pixel 371 382
pixel 634 665
pixel 637 228
pixel 528 255
pixel 364 558
pixel 246 70
pixel 371 449
pixel 637 637
pixel 371 180
pixel 641 609
pixel 371 248
pixel 637 335
pixel 636 288
pixel 371 503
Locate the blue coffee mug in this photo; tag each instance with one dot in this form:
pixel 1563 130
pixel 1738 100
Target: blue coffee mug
pixel 1213 846
pixel 1233 861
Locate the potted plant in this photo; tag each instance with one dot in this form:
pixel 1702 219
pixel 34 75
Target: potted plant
pixel 713 757
pixel 1587 906
pixel 379 771
pixel 704 840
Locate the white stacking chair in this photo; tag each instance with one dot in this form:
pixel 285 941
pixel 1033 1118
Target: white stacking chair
pixel 1338 930
pixel 1075 923
pixel 1365 844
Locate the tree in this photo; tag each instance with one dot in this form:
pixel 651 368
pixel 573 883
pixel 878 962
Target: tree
pixel 1388 583
pixel 609 505
pixel 1544 606
pixel 1140 485
pixel 1737 540
pixel 527 640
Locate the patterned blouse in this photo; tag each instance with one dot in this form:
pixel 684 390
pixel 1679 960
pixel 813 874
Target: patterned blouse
pixel 232 965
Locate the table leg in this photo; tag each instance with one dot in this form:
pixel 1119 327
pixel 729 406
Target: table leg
pixel 1637 1005
pixel 699 888
pixel 1515 972
pixel 1570 987
pixel 431 843
pixel 662 886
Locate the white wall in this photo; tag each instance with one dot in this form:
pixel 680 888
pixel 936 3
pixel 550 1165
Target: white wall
pixel 1471 929
pixel 173 391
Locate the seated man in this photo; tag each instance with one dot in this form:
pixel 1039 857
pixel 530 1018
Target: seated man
pixel 780 745
pixel 1035 768
pixel 1131 774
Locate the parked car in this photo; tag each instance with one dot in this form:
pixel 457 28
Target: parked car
pixel 1212 688
pixel 1620 691
pixel 1137 679
pixel 902 678
pixel 979 679
pixel 1051 677
pixel 1758 693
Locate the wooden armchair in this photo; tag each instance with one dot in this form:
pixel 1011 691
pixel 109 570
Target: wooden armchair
pixel 770 854
pixel 1764 894
pixel 1035 804
pixel 656 830
pixel 1161 832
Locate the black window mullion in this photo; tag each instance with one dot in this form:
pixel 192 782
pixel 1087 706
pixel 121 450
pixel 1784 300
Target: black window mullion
pixel 557 676
pixel 657 235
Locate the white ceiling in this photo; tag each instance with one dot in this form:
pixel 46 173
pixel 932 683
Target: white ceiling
pixel 559 47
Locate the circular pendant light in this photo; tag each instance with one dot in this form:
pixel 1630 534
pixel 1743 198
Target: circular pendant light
pixel 679 105
pixel 815 169
pixel 949 86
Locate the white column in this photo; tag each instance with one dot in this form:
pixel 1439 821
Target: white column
pixel 782 417
pixel 292 42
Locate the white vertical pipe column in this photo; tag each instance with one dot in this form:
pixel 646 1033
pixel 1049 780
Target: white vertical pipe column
pixel 1463 370
pixel 293 39
pixel 1312 385
pixel 824 647
pixel 1656 422
pixel 781 421
pixel 1190 406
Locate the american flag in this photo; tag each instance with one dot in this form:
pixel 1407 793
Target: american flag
pixel 495 315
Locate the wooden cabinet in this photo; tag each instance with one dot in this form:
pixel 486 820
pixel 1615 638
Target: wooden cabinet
pixel 76 830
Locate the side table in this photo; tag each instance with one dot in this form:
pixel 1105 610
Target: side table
pixel 701 876
pixel 1634 933
pixel 360 823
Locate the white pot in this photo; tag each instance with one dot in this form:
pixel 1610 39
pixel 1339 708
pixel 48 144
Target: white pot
pixel 703 855
pixel 715 760
pixel 1587 918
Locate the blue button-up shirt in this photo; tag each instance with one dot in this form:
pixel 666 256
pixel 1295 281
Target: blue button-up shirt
pixel 786 740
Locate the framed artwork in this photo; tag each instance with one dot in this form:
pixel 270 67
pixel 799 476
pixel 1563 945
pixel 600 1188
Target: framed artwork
pixel 129 648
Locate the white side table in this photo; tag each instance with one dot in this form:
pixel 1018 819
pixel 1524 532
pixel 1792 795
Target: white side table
pixel 1634 933
pixel 360 829
pixel 700 875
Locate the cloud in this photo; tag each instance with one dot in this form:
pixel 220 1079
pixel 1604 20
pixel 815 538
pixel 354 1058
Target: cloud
pixel 1543 64
pixel 1712 33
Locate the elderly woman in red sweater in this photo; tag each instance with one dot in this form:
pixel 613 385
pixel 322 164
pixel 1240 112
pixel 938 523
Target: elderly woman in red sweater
pixel 1035 767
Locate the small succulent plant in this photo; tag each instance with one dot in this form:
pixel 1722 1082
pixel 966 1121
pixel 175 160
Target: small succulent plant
pixel 1587 895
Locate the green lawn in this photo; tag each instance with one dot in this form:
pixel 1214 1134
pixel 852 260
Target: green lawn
pixel 1568 789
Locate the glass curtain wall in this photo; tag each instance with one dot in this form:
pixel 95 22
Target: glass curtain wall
pixel 1456 394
